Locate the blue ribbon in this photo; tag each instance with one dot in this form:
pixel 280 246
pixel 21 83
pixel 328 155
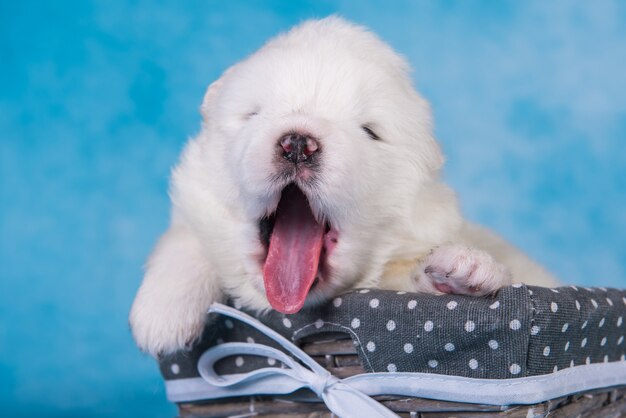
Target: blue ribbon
pixel 342 399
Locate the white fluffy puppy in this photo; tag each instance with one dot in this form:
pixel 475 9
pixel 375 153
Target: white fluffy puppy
pixel 315 171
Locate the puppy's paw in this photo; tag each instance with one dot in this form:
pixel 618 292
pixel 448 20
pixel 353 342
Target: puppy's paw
pixel 164 329
pixel 170 308
pixel 461 270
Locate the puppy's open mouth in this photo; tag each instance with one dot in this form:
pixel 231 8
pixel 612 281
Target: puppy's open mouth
pixel 298 246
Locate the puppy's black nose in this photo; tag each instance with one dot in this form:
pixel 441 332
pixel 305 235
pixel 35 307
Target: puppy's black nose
pixel 297 147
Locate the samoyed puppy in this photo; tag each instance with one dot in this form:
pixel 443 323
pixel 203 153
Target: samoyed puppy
pixel 315 172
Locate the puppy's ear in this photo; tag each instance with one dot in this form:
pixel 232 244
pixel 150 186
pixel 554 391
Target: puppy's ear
pixel 211 94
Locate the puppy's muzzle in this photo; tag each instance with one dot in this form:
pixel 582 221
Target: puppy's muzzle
pixel 297 147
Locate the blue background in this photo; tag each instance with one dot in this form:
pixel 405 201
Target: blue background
pixel 97 98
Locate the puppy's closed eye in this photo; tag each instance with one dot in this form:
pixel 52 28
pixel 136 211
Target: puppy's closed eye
pixel 370 132
pixel 251 114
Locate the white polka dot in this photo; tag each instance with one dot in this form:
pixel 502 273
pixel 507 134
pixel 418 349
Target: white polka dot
pixel 571 363
pixel 517 285
pixel 624 300
pixel 250 340
pixel 583 342
pixel 493 344
pixel 587 360
pixel 604 289
pixel 534 330
pixel 337 302
pixel 495 305
pixel 449 347
pixel 530 292
pixel 401 293
pixel 412 304
pixel 287 322
pixel 473 364
pixel 391 368
pixel 556 369
pixel 408 348
pixel 609 301
pixel 565 327
pixel 554 307
pixel 620 340
pixel 594 303
pixel 239 361
pixel 364 291
pixel 374 303
pixel 319 323
pixel 566 346
pixel 574 287
pixel 515 324
pixel 271 361
pixel 452 304
pixel 175 368
pixel 470 326
pixel 601 324
pixel 433 363
pixel 546 351
pixel 515 368
pixel 554 290
pixel 371 346
pixel 619 321
pixel 578 305
pixel 391 325
pixel 356 322
pixel 229 324
pixel 603 342
pixel 428 326
pixel 584 325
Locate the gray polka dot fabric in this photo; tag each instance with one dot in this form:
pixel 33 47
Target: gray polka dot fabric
pixel 574 326
pixel 522 331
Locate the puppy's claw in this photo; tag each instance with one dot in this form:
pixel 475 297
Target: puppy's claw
pixel 435 273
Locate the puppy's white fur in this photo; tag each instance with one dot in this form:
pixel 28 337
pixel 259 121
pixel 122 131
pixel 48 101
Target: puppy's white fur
pixel 399 226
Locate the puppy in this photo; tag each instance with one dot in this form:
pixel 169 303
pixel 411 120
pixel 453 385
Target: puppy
pixel 315 172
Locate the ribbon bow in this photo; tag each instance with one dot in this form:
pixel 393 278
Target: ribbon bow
pixel 342 399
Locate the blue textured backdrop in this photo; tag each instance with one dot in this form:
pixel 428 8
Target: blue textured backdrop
pixel 97 98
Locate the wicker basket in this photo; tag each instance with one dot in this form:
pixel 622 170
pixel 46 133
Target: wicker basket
pixel 340 358
pixel 343 356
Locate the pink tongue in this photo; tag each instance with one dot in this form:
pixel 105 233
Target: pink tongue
pixel 294 253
